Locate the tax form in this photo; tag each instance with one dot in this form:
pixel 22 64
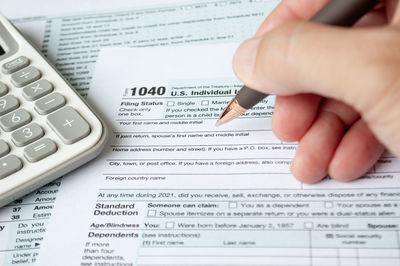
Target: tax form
pixel 173 189
pixel 72 40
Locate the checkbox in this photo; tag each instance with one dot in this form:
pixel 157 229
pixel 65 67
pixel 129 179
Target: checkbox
pixel 205 102
pixel 169 225
pixel 232 205
pixel 328 204
pixel 308 225
pixel 151 213
pixel 170 103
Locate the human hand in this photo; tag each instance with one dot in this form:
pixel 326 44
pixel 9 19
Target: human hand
pixel 338 88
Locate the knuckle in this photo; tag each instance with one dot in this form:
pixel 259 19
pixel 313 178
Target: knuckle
pixel 379 71
pixel 384 50
pixel 278 50
pixel 282 41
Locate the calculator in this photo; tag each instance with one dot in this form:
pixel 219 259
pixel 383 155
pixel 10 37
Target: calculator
pixel 46 128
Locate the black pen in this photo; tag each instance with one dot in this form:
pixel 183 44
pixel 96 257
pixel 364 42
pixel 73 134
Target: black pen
pixel 338 13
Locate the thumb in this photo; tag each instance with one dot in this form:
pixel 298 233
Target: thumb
pixel 356 66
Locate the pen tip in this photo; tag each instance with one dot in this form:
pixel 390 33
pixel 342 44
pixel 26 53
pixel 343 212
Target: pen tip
pixel 219 122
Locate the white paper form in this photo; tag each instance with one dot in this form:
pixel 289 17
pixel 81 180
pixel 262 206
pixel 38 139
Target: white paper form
pixel 28 8
pixel 72 41
pixel 172 189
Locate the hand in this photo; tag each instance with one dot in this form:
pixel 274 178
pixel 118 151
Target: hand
pixel 338 88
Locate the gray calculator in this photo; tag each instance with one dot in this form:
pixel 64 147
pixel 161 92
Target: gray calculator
pixel 46 128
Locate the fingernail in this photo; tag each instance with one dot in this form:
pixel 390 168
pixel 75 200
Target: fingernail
pixel 245 57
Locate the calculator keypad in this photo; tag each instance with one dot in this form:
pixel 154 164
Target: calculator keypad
pixel 36 90
pixel 4 148
pixel 25 76
pixel 15 65
pixel 26 135
pixel 3 89
pixel 9 165
pixel 8 103
pixel 66 122
pixel 39 150
pixel 69 125
pixel 49 103
pixel 15 120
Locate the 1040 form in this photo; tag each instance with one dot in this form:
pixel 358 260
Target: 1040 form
pixel 173 189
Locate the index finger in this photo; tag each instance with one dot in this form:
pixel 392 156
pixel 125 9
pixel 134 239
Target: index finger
pixel 285 125
pixel 289 10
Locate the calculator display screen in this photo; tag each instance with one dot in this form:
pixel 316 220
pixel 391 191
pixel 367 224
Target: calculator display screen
pixel 2 50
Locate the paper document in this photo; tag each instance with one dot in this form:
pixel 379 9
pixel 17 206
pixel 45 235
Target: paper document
pixel 12 9
pixel 72 42
pixel 173 189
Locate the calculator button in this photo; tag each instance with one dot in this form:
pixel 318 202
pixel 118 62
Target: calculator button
pixel 25 76
pixel 4 148
pixel 15 65
pixel 3 89
pixel 9 165
pixel 36 90
pixel 39 150
pixel 8 103
pixel 26 135
pixel 14 120
pixel 49 103
pixel 68 124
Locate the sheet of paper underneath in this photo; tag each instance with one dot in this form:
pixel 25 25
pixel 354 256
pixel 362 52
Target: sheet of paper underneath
pixel 172 189
pixel 27 8
pixel 23 223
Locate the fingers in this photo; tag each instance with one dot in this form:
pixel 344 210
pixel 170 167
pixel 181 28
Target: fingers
pixel 393 11
pixel 343 111
pixel 328 149
pixel 324 149
pixel 317 147
pixel 293 115
pixel 300 58
pixel 373 18
pixel 356 154
pixel 303 57
pixel 289 10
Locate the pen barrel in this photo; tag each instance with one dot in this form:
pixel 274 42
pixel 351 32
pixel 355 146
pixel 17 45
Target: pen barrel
pixel 247 97
pixel 343 12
